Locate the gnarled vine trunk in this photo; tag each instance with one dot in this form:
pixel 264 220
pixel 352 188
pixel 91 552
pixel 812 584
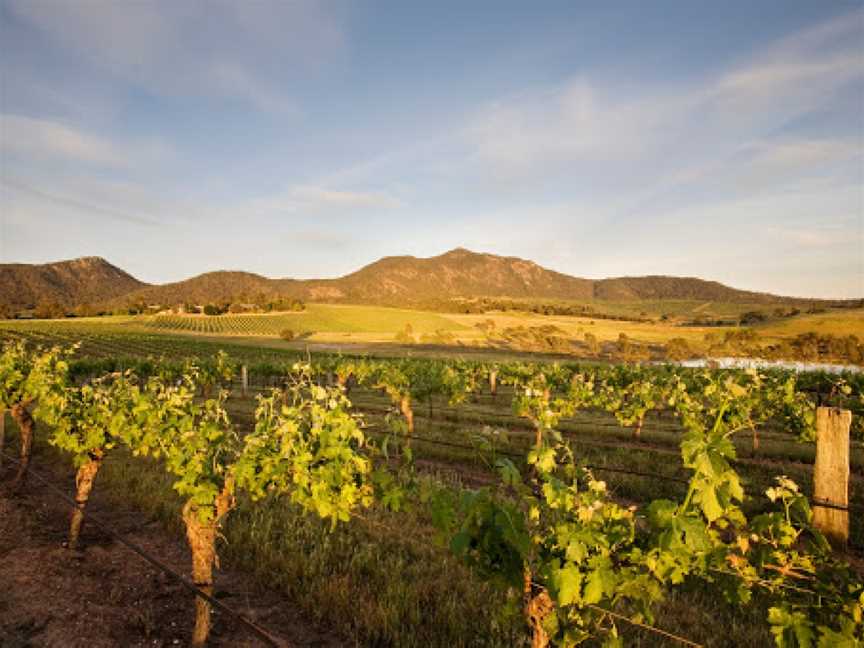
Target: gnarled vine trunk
pixel 27 426
pixel 343 382
pixel 637 431
pixel 538 441
pixel 537 608
pixel 202 542
pixel 84 479
pixel 408 413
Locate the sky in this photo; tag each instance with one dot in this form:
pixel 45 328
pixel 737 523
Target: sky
pixel 723 140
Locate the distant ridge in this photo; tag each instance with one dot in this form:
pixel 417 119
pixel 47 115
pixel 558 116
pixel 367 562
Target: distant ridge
pixel 390 281
pixel 87 280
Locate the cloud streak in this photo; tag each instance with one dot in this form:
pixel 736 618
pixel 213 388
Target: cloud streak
pixel 665 130
pixel 49 140
pixel 215 48
pixel 76 204
pixel 41 138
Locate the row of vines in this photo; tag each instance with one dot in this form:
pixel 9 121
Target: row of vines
pixel 226 324
pixel 548 531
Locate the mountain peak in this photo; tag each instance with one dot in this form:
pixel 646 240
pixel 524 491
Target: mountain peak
pixel 460 251
pixel 90 261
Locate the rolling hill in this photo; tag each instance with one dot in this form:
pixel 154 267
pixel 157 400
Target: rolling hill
pixel 390 281
pixel 69 283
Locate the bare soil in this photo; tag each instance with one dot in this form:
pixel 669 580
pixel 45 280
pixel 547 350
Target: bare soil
pixel 105 595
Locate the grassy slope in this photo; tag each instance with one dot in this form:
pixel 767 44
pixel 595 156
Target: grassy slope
pixel 842 322
pixel 376 324
pixel 675 308
pixel 325 318
pixel 577 327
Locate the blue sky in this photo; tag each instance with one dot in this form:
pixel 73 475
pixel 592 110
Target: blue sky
pixel 305 139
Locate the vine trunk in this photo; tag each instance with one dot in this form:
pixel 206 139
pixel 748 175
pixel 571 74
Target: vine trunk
pixel 83 486
pixel 27 426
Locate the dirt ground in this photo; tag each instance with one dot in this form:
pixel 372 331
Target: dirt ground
pixel 106 595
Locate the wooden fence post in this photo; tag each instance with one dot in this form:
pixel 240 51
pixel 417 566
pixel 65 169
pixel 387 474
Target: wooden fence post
pixel 244 380
pixel 831 473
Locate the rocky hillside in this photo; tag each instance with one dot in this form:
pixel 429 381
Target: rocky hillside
pixel 87 280
pixel 458 273
pixel 209 287
pixel 663 287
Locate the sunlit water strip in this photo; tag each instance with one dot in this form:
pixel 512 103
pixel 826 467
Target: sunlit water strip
pixel 759 363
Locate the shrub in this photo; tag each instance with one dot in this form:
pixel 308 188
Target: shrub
pixel 753 317
pixel 406 335
pixel 678 349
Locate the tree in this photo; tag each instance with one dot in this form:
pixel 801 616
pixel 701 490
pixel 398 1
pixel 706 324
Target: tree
pixel 47 309
pixel 678 349
pixel 752 317
pixel 592 344
pixel 624 346
pixel 406 335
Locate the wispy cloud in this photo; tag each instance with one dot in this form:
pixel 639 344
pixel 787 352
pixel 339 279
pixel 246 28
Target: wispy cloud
pixel 216 48
pixel 45 139
pixel 234 80
pixel 817 237
pixel 300 200
pixel 664 130
pixel 42 139
pixel 74 203
pixel 321 198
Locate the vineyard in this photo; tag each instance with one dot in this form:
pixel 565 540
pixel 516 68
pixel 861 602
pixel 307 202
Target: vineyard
pixel 553 504
pixel 271 325
pixel 317 318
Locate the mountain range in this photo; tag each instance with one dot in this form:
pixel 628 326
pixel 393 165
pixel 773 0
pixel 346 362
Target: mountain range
pixel 391 281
